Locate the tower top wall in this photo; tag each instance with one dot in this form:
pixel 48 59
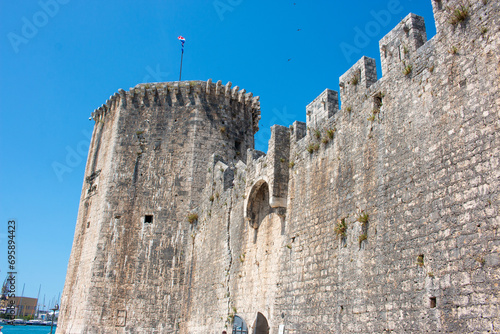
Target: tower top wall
pixel 184 93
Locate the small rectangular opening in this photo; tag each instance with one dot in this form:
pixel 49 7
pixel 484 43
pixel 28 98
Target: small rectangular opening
pixel 148 219
pixel 88 224
pixel 377 101
pixel 237 146
pixel 432 302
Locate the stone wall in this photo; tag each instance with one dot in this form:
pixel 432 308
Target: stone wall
pixel 145 174
pixel 378 217
pixel 391 222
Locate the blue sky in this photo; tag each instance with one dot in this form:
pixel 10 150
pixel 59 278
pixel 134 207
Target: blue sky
pixel 61 59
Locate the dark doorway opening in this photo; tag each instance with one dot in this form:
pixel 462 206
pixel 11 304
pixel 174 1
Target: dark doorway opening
pixel 433 302
pixel 260 325
pixel 258 204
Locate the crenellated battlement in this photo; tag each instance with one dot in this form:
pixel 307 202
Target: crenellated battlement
pixel 271 168
pixel 399 53
pixel 399 46
pixel 183 93
pixel 322 108
pixel 357 79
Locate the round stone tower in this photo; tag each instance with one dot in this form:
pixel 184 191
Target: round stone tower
pixel 145 173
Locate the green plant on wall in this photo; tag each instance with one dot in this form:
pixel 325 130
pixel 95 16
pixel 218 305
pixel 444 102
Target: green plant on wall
pixel 459 14
pixel 407 69
pixel 355 79
pixel 192 217
pixel 312 147
pixel 363 218
pixel 341 228
pixel 330 133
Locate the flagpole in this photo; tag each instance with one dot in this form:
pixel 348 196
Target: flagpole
pixel 182 55
pixel 182 40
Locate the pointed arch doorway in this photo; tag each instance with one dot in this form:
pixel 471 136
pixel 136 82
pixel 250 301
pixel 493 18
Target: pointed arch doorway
pixel 258 204
pixel 260 326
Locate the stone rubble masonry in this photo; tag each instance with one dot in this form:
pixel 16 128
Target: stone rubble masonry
pixel 379 217
pixel 147 161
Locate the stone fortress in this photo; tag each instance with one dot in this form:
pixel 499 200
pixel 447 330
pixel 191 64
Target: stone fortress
pixel 379 217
